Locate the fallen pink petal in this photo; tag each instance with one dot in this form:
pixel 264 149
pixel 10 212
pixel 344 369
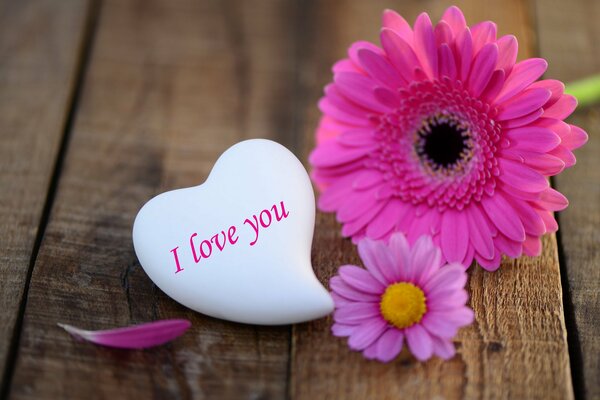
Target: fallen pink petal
pixel 440 131
pixel 140 336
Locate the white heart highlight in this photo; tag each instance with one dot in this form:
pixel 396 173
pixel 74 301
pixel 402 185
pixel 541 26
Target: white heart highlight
pixel 238 246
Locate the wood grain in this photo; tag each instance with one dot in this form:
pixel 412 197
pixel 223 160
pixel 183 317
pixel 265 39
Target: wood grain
pixel 40 44
pixel 171 85
pixel 569 35
pixel 517 348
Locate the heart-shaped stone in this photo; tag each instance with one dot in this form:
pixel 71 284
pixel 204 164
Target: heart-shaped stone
pixel 238 246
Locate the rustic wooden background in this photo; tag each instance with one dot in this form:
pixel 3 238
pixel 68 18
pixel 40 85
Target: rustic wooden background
pixel 104 104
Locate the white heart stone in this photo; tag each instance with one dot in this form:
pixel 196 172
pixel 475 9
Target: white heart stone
pixel 238 246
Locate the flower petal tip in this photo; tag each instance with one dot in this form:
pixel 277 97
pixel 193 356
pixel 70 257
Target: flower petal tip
pixel 132 337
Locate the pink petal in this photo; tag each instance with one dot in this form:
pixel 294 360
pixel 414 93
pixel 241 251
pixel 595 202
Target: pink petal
pixel 524 120
pixel 479 232
pixel 427 224
pixel 360 279
pixel 352 228
pixel 345 65
pixel 370 353
pixel 509 247
pixel 357 313
pixel 343 289
pixel 557 88
pixel 494 85
pixel 389 345
pixel 340 301
pixel 343 104
pixel 443 34
pixel 524 103
pixel 532 246
pixel 356 138
pixel 379 69
pixel 361 45
pixel 385 220
pixel 400 54
pixel 507 52
pixel 436 324
pixel 387 97
pixel 519 176
pixel 366 334
pixel 545 164
pixel 367 179
pixel 447 65
pixel 490 265
pixel 328 107
pixel 454 235
pixel 503 215
pixel 447 300
pixel 562 108
pixel 359 89
pixel 426 259
pixel 464 53
pixel 553 200
pixel 133 337
pixel 523 74
pixel 454 17
pixel 331 199
pixel 444 349
pixel 401 254
pixel 331 153
pixel 419 342
pixel 425 45
pixel 362 201
pixel 482 69
pixel 341 330
pixel 483 33
pixel 532 222
pixel 394 21
pixel 564 154
pixel 549 221
pixel 449 277
pixel 462 316
pixel 377 259
pixel 533 138
pixel 577 138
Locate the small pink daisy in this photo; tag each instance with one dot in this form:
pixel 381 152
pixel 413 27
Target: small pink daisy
pixel 403 293
pixel 441 132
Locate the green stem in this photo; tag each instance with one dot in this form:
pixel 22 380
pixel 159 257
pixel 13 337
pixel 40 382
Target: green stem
pixel 587 91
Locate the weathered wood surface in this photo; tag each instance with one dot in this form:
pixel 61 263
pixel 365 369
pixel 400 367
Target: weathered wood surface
pixel 569 34
pixel 169 86
pixel 517 348
pixel 40 47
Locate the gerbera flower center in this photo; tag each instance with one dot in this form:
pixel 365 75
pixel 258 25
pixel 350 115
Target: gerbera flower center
pixel 437 147
pixel 403 304
pixel 443 144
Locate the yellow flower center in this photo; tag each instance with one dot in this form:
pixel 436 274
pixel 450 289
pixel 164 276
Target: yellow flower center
pixel 403 304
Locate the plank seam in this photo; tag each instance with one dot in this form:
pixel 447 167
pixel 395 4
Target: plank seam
pixel 84 56
pixel 573 342
pixel 573 345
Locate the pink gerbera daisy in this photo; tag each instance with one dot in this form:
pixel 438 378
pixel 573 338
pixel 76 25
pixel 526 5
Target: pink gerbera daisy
pixel 403 293
pixel 440 132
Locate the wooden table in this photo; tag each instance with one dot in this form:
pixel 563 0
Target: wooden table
pixel 105 104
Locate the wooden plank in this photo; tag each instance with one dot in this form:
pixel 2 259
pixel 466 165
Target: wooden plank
pixel 517 348
pixel 569 35
pixel 171 85
pixel 40 46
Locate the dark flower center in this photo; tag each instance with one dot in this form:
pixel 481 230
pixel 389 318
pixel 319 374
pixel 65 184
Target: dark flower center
pixel 443 144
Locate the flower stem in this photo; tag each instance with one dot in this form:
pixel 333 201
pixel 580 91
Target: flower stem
pixel 587 90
